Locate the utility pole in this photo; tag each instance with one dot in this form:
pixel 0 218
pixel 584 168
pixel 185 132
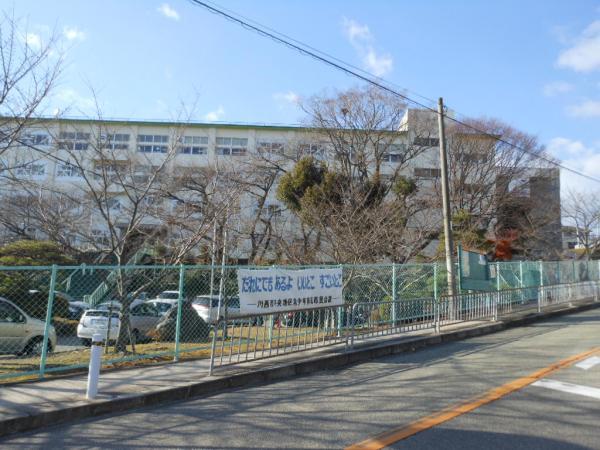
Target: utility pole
pixel 446 201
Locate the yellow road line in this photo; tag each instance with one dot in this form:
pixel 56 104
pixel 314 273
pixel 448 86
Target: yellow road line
pixel 397 434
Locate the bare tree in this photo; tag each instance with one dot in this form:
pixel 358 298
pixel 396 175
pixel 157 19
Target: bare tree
pixel 581 210
pixel 193 200
pixel 495 170
pixel 30 67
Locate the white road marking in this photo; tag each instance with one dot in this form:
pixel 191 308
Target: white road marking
pixel 570 388
pixel 588 363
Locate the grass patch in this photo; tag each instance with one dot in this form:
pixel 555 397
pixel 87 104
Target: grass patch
pixel 246 341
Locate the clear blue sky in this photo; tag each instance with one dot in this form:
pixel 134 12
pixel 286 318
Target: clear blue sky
pixel 534 64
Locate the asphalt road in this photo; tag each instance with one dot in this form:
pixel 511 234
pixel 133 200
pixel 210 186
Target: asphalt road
pixel 336 409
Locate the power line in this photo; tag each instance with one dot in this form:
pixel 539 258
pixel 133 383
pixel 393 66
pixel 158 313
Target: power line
pixel 369 78
pixel 322 53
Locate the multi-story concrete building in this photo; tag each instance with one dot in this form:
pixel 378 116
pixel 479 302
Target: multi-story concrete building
pixel 119 159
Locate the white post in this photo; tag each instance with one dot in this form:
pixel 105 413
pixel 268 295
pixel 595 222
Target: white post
pixel 94 369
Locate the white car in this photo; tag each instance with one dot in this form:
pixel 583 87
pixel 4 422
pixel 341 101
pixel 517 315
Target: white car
pixel 143 318
pixel 95 321
pixel 21 333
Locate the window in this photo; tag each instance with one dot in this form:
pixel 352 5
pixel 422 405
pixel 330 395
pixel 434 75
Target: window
pixel 100 237
pixel 107 169
pixel 193 145
pixel 269 209
pixel 276 148
pixel 115 141
pixel 10 314
pixel 151 201
pixel 227 146
pixel 426 172
pixel 153 138
pixel 74 136
pixel 519 187
pixel 152 148
pixel 274 210
pixel 68 170
pixel 31 170
pixel 114 204
pixel 393 158
pixel 72 145
pixel 471 188
pixel 115 137
pixel 35 139
pixel 314 149
pixel 472 157
pixel 426 142
pixel 394 153
pixel 73 140
pixel 142 174
pixel 144 309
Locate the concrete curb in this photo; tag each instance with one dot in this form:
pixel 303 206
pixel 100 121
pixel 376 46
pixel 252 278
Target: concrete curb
pixel 261 376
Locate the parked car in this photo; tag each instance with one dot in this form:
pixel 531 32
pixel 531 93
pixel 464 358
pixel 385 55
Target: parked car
pixel 143 318
pixel 193 327
pixel 207 306
pixel 20 333
pixel 95 321
pixel 76 309
pixel 167 295
pixel 163 305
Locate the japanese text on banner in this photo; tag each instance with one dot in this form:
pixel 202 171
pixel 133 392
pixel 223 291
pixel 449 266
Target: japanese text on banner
pixel 266 291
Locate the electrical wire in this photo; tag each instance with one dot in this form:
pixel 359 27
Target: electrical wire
pixel 367 77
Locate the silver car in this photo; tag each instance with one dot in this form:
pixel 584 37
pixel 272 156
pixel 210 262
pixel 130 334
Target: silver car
pixel 143 318
pixel 20 333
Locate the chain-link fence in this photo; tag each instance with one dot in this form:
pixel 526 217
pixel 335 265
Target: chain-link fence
pixel 148 314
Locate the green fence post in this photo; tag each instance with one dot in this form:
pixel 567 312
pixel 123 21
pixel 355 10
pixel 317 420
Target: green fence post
pixel 541 286
pixel 394 294
pixel 436 302
pixel 498 276
pixel 339 313
pixel 47 324
pixel 435 286
pixel 521 282
pixel 179 307
pixel 460 266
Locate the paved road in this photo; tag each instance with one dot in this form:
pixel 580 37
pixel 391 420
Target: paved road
pixel 336 409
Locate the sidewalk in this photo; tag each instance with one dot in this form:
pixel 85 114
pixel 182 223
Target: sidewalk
pixel 33 405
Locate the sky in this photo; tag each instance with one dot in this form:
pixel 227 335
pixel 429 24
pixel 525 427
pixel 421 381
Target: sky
pixel 533 64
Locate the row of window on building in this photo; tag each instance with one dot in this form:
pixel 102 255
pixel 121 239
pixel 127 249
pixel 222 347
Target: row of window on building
pixel 69 170
pixel 189 145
